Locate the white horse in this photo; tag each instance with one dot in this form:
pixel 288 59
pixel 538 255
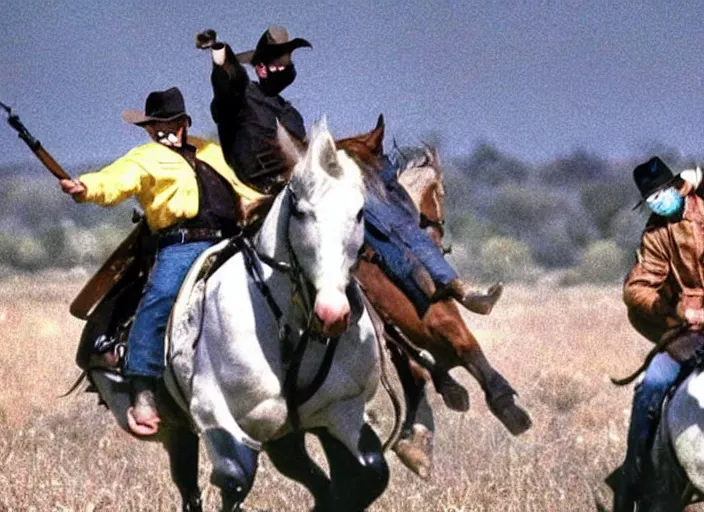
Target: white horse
pixel 233 349
pixel 245 352
pixel 676 475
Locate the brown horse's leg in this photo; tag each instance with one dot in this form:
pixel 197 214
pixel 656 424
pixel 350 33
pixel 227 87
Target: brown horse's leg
pixel 444 322
pixel 414 447
pixel 444 334
pixel 453 393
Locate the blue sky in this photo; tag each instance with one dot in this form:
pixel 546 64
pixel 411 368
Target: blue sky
pixel 536 78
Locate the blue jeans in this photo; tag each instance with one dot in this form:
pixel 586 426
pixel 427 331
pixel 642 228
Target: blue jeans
pixel 396 219
pixel 145 344
pixel 647 399
pixel 392 222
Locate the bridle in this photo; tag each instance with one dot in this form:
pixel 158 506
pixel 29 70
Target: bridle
pixel 303 294
pixel 439 224
pixel 427 222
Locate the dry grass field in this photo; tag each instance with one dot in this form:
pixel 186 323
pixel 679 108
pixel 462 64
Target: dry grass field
pixel 557 346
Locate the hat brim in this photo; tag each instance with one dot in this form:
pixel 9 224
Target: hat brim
pixel 274 50
pixel 656 189
pixel 134 116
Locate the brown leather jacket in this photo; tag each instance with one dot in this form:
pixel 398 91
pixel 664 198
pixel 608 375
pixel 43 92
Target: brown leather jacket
pixel 668 276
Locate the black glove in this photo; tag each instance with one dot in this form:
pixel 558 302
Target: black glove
pixel 206 39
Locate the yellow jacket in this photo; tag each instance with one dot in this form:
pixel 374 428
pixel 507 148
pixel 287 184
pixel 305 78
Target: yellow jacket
pixel 161 180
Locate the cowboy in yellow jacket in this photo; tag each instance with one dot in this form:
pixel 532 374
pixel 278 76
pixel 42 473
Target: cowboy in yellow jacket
pixel 191 199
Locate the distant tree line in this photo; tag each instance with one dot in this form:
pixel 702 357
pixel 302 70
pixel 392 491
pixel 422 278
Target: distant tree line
pixel 572 217
pixel 507 219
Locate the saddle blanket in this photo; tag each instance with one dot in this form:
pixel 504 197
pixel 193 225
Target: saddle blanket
pixel 184 326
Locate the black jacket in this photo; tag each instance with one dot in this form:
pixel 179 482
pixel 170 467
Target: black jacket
pixel 246 120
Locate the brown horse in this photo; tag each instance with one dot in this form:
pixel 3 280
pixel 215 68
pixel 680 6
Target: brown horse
pixel 441 331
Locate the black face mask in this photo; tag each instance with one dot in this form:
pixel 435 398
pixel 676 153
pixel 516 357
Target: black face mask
pixel 277 81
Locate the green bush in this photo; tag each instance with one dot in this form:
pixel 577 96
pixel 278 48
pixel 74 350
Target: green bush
pixel 505 259
pixel 578 167
pixel 488 166
pixel 7 248
pixel 28 253
pixel 519 210
pixel 601 262
pixel 627 228
pixel 107 238
pixel 603 201
pixel 464 228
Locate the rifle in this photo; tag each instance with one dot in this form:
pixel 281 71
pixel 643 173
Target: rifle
pixel 123 259
pixel 36 146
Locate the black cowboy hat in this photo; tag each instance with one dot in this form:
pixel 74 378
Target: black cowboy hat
pixel 273 43
pixel 652 176
pixel 160 106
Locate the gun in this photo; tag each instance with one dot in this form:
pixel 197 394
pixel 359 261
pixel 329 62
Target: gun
pixel 36 146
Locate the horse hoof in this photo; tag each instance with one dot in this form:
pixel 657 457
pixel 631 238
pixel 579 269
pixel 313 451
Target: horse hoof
pixel 515 419
pixel 416 451
pixel 453 393
pixel 455 396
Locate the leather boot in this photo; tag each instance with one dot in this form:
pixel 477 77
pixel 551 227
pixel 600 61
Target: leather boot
pixel 626 492
pixel 474 301
pixel 143 417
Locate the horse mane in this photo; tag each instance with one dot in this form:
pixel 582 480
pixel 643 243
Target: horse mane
pixel 421 170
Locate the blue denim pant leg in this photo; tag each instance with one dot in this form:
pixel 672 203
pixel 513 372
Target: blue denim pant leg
pixel 647 398
pixel 428 253
pixel 145 345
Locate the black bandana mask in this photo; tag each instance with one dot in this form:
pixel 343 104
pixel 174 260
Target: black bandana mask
pixel 277 81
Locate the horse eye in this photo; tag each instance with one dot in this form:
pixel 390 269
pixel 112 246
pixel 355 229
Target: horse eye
pixel 360 214
pixel 295 210
pixel 293 205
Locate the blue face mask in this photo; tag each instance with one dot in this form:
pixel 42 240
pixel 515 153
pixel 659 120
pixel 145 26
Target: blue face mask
pixel 665 202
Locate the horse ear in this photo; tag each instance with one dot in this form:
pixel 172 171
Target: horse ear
pixel 436 161
pixel 292 149
pixel 375 138
pixel 323 147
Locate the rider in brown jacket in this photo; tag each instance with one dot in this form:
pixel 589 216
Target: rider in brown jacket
pixel 664 293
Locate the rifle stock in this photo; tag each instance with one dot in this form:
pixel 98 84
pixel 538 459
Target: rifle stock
pixel 51 164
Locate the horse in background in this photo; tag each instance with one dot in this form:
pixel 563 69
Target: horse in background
pixel 441 332
pixel 257 311
pixel 422 178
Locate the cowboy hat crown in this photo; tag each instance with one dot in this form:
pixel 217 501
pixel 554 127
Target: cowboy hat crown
pixel 160 106
pixel 273 43
pixel 652 176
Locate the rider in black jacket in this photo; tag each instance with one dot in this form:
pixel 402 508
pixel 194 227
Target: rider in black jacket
pixel 246 111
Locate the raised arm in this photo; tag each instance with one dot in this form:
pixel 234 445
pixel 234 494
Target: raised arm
pixel 228 78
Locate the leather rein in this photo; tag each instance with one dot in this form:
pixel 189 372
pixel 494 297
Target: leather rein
pixel 292 353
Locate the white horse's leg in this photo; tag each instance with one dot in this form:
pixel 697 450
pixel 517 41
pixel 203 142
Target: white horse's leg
pixel 357 481
pixel 233 454
pixel 291 458
pixel 344 420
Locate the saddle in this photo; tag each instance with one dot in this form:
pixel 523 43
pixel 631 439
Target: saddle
pixel 103 343
pixel 109 299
